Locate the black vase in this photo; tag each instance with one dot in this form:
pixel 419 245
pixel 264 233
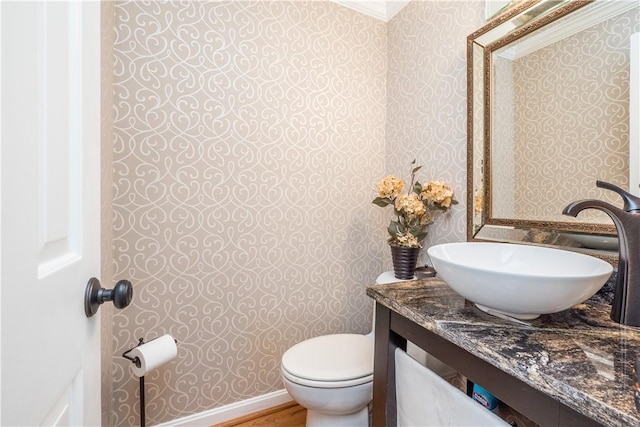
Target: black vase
pixel 404 261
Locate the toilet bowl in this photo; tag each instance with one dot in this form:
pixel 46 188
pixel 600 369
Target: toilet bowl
pixel 331 376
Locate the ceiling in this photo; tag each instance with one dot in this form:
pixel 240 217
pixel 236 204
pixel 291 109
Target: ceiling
pixel 379 9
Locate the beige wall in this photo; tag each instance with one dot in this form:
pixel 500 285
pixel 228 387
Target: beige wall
pixel 248 139
pixel 427 99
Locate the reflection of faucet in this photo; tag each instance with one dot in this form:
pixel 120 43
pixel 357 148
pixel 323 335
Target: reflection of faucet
pixel 626 300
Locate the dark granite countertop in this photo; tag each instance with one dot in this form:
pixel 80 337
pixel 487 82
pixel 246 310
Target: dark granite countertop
pixel 578 356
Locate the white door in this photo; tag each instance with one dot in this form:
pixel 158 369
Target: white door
pixel 50 172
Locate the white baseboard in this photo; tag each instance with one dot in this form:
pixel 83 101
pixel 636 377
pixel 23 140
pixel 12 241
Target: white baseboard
pixel 232 411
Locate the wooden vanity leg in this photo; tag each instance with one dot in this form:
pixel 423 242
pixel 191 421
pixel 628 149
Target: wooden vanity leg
pixel 380 367
pixel 384 381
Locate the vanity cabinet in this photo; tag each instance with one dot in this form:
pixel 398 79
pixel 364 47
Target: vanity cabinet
pixel 573 368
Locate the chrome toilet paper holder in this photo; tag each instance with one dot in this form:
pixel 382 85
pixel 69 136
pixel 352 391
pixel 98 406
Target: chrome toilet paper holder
pixel 136 361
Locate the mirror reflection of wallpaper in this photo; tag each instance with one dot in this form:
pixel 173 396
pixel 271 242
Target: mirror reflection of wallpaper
pixel 249 136
pixel 571 123
pixel 502 147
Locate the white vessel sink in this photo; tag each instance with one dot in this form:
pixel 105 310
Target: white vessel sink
pixel 518 280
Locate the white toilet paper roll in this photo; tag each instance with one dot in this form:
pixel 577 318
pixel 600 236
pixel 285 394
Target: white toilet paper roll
pixel 153 354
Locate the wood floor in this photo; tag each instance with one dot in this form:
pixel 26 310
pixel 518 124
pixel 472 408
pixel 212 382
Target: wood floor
pixel 293 415
pixel 287 415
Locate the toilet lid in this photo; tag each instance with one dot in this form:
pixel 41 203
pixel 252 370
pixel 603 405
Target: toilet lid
pixel 337 357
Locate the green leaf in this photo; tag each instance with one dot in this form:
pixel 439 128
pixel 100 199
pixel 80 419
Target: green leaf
pixel 416 169
pixel 392 232
pixel 420 235
pixel 395 228
pixel 382 201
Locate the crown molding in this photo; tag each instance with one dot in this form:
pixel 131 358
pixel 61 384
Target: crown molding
pixel 593 14
pixel 383 10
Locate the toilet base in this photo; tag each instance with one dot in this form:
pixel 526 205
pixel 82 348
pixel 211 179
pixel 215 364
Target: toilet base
pixel 320 419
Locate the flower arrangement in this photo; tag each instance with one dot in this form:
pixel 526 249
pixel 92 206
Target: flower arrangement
pixel 415 209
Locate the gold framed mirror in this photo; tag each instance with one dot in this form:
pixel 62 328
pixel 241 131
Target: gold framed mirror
pixel 548 115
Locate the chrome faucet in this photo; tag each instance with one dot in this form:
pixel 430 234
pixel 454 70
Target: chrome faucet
pixel 626 301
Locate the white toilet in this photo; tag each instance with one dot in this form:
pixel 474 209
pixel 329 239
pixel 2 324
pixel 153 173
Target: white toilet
pixel 332 375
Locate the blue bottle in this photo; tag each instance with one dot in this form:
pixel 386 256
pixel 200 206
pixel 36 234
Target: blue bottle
pixel 485 398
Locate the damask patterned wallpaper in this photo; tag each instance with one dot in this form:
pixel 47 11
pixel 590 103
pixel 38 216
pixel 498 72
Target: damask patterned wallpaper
pixel 572 122
pixel 502 147
pixel 427 100
pixel 248 140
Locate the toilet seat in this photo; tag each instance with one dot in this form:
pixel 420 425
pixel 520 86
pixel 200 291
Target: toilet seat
pixel 330 361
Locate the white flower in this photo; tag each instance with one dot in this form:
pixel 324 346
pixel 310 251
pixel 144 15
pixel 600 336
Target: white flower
pixel 438 193
pixel 390 187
